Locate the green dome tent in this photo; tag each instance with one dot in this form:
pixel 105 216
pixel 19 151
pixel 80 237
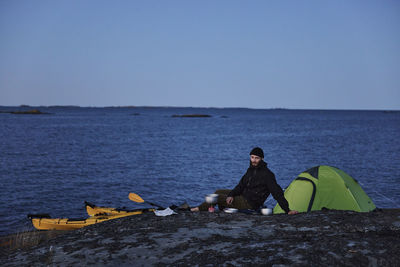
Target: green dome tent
pixel 326 187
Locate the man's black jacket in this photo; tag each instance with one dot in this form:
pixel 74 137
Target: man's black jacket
pixel 256 185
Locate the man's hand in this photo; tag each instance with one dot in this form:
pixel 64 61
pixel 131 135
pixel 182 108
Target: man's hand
pixel 292 212
pixel 229 200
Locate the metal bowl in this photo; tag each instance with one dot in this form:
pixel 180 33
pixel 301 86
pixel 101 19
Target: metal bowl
pixel 230 210
pixel 266 211
pixel 212 198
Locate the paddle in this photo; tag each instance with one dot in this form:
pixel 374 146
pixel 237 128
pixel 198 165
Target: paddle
pixel 136 198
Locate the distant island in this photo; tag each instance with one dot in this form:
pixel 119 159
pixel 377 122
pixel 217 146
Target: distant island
pixel 28 112
pixel 192 116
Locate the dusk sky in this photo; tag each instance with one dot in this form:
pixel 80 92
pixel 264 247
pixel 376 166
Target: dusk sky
pixel 257 54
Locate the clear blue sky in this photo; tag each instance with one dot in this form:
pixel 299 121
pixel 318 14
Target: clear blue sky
pixel 260 54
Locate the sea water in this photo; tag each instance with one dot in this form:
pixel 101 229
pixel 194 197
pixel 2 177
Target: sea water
pixel 53 163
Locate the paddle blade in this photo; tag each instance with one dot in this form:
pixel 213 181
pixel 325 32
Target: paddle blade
pixel 136 198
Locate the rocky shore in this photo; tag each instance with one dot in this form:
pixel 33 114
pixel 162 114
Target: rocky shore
pixel 323 238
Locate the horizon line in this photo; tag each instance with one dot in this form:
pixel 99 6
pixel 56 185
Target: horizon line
pixel 167 106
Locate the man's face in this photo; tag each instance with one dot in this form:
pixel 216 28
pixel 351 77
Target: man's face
pixel 255 160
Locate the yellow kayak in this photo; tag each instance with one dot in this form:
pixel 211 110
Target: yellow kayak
pixel 47 223
pixel 66 224
pixel 94 210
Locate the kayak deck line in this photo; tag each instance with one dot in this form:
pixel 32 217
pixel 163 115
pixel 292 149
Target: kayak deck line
pixel 93 210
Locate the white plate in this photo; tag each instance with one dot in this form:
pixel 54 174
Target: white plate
pixel 230 210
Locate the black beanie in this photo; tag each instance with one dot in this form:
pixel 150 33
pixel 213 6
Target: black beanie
pixel 258 152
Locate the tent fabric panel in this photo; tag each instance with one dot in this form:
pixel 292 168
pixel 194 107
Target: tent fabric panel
pixel 363 200
pixel 311 202
pixel 298 195
pixel 333 193
pixel 313 171
pixel 307 175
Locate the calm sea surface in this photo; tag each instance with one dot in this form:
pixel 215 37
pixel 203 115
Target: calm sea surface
pixel 53 163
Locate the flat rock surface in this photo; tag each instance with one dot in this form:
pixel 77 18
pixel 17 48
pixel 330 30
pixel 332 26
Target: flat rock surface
pixel 325 238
